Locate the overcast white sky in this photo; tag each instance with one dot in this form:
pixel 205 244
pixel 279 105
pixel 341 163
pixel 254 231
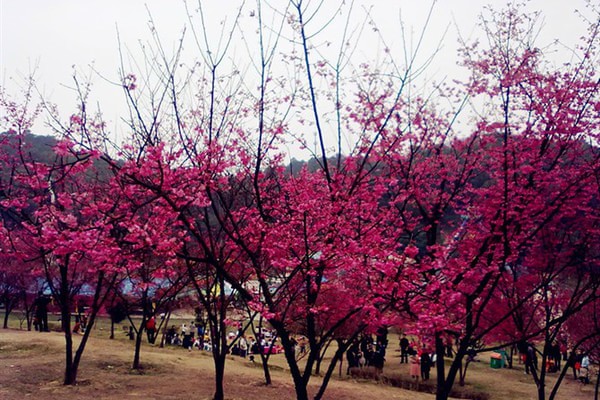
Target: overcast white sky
pixel 55 35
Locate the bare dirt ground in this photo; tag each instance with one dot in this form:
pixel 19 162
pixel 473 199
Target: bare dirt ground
pixel 31 365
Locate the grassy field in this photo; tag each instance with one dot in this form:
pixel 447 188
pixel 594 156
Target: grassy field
pixel 32 364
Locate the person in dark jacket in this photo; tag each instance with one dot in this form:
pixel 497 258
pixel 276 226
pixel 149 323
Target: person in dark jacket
pixel 531 360
pixel 425 365
pixel 41 311
pixel 404 350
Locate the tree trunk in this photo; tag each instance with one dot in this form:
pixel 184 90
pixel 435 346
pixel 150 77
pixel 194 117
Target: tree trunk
pixel 301 390
pixel 29 318
pixel 28 315
pixel 462 376
pixel 562 375
pixel 138 346
pixel 300 384
pixel 439 362
pixel 443 391
pixel 541 382
pixel 7 311
pixel 541 391
pixel 70 369
pixel 65 318
pixel 97 302
pixel 164 330
pixel 140 331
pixel 318 366
pixel 339 355
pixel 219 377
pixel 265 364
pixel 597 385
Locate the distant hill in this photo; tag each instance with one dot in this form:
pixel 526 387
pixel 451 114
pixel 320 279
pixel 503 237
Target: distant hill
pixel 38 147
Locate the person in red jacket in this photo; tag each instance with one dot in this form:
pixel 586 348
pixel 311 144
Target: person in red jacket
pixel 151 329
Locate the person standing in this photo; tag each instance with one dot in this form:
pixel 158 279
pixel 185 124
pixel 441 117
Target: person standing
pixel 530 359
pixel 577 359
pixel 556 355
pixel 414 366
pixel 41 311
pixel 449 344
pixel 243 346
pixel 352 355
pixel 425 365
pixel 584 371
pixel 151 329
pixel 404 350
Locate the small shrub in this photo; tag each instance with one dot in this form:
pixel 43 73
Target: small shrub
pixel 369 373
pixel 405 382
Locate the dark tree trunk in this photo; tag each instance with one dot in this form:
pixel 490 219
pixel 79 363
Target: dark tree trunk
pixel 300 384
pixel 320 359
pixel 439 362
pixel 266 371
pixel 443 391
pixel 140 331
pixel 219 377
pixel 28 309
pixel 561 377
pixel 339 354
pixel 138 346
pixel 7 311
pixel 597 385
pixel 70 369
pixel 97 302
pixel 65 318
pixel 164 330
pixel 29 318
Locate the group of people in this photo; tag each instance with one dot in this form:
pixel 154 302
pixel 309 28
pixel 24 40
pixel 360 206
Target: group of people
pixel 266 343
pixel 420 364
pixel 578 361
pixel 367 352
pixel 420 360
pixel 191 336
pixel 528 355
pixel 40 314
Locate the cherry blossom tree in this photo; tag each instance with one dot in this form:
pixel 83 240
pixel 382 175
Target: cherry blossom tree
pixel 479 210
pixel 460 223
pixel 61 222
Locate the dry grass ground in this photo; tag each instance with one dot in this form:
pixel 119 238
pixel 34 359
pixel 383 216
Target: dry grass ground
pixel 31 364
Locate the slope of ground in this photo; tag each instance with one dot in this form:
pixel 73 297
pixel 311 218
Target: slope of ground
pixel 31 364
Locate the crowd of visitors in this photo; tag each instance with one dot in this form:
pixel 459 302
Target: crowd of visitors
pixel 365 351
pixel 193 336
pixel 369 351
pixel 420 358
